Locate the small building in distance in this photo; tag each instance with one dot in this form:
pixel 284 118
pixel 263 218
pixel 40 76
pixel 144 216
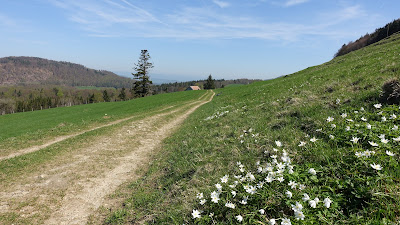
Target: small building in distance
pixel 193 88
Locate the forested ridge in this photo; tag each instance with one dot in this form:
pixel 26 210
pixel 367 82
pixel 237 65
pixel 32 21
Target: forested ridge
pixel 368 39
pixel 33 70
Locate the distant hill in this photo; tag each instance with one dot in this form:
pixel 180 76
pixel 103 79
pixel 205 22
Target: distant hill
pixel 32 70
pixel 368 39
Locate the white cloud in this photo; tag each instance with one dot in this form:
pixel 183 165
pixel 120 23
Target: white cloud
pixel 295 2
pixel 113 18
pixel 94 16
pixel 221 3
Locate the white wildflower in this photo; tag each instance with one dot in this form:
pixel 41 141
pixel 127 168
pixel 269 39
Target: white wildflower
pixel 244 201
pixel 358 154
pixel 280 179
pixel 395 127
pixel 330 119
pixel 363 119
pixel 313 203
pixel 331 136
pixel 224 179
pixel 355 140
pixel 389 153
pixel 292 184
pixel 383 119
pixel 384 141
pixel 344 115
pixel 327 202
pixel 262 211
pixel 239 218
pixel 278 143
pixel 297 207
pixel 378 106
pixel 230 205
pixel 396 139
pixel 314 139
pixel 369 126
pixel 233 193
pixel 203 201
pixel 215 197
pixel 376 166
pixel 199 195
pixel 392 117
pixel 305 197
pixel 286 221
pixel 272 222
pixel 289 194
pixel 196 214
pixel 251 189
pixel 299 215
pixel 347 128
pixel 302 143
pixel 312 171
pixel 373 144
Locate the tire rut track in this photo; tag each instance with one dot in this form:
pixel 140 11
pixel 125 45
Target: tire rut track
pixel 70 192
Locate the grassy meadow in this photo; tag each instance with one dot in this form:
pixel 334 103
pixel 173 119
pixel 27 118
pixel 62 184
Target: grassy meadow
pixel 22 130
pixel 313 147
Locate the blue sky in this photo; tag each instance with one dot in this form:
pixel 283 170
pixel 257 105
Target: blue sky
pixel 190 39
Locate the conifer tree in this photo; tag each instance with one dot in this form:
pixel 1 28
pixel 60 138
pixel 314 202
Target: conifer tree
pixel 122 94
pixel 209 83
pixel 141 87
pixel 106 97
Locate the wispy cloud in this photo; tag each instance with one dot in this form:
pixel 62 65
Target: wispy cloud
pixel 294 2
pixel 221 4
pixel 95 16
pixel 343 14
pixel 113 18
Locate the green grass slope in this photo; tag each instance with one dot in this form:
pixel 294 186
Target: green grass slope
pixel 22 130
pixel 291 138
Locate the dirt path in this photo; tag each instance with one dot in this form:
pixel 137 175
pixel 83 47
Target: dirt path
pixel 62 138
pixel 70 189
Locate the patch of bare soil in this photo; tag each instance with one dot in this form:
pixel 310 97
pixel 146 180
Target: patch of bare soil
pixel 69 189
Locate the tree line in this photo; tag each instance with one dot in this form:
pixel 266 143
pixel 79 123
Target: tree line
pixel 368 39
pixel 37 97
pixel 15 99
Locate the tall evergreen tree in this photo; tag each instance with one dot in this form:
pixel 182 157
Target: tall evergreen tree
pixel 122 94
pixel 209 83
pixel 106 97
pixel 141 87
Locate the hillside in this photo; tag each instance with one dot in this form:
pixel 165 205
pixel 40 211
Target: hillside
pixel 33 70
pixel 368 39
pixel 319 146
